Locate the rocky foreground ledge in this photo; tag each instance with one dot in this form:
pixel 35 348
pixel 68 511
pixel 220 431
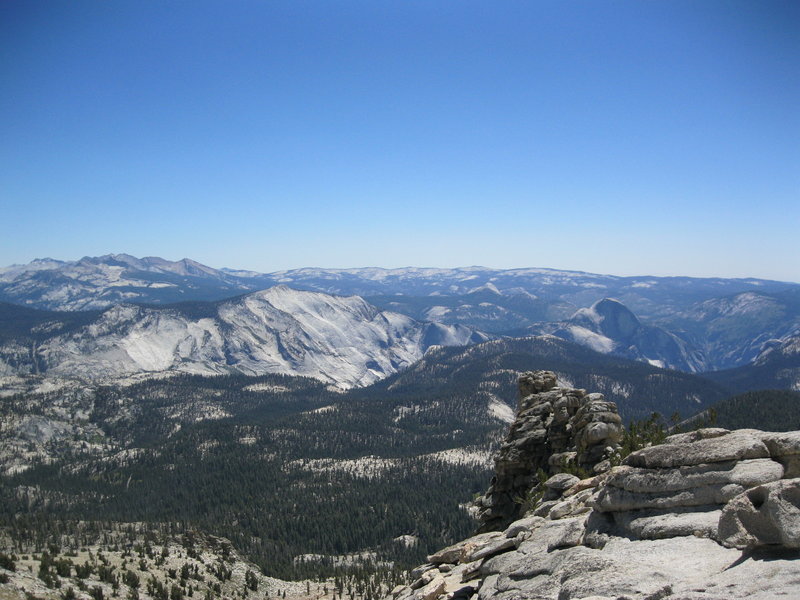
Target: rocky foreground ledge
pixel 711 514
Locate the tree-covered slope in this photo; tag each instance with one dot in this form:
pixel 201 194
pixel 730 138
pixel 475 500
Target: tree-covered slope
pixel 491 369
pixel 776 367
pixel 769 410
pixel 285 467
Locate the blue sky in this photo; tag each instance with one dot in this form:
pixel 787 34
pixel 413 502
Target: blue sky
pixel 618 137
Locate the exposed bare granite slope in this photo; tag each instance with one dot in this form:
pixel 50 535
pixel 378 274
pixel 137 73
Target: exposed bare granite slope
pixel 712 514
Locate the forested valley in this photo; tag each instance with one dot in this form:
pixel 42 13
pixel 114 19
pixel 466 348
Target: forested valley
pixel 304 480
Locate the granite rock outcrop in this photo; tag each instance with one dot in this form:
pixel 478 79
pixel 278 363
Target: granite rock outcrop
pixel 556 429
pixel 707 515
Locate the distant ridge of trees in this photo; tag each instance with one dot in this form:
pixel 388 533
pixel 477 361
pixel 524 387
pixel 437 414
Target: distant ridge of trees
pixel 770 410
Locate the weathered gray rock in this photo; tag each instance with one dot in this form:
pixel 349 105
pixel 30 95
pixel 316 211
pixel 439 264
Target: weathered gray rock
pixel 554 428
pixel 681 568
pixel 740 445
pixel 557 485
pixel 602 467
pixel 669 499
pixel 585 484
pixel 561 482
pixel 785 448
pixel 639 570
pixel 785 443
pixel 659 524
pixel 433 589
pixel 765 515
pixel 496 547
pixel 456 552
pixel 613 499
pixel 424 579
pixel 526 525
pixel 552 535
pixel 791 465
pixel 501 563
pixel 417 573
pixel 543 509
pixel 572 506
pixel 747 473
pixel 534 382
pixel 685 568
pixel 568 536
pixel 697 434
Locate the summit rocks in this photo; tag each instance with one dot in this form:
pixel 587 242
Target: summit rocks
pixel 709 515
pixel 555 429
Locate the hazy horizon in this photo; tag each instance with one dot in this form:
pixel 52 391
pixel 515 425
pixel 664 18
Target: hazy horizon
pixel 629 138
pixel 399 267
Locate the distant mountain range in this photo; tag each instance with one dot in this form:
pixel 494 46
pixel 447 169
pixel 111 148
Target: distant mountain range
pixel 186 316
pixel 99 282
